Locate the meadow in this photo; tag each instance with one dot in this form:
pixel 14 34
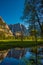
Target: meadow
pixel 7 44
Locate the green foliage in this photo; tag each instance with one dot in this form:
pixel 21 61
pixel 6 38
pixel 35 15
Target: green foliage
pixel 31 16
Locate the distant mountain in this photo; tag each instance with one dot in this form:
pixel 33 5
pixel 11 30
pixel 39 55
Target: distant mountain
pixel 4 29
pixel 18 28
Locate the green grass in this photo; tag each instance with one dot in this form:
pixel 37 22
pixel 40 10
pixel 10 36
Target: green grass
pixel 12 44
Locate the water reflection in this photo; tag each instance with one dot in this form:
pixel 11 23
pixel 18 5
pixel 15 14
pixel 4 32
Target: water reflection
pixel 28 55
pixel 12 61
pixel 16 53
pixel 23 56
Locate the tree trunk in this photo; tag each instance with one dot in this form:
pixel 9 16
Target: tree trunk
pixel 40 25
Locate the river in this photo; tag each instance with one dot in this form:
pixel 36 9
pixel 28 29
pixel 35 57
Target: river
pixel 22 56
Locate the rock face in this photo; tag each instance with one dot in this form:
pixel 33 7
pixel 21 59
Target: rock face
pixel 17 28
pixel 4 29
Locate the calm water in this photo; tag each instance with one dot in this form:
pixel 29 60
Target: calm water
pixel 23 56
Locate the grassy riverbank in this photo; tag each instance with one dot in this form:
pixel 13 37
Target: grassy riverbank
pixel 5 44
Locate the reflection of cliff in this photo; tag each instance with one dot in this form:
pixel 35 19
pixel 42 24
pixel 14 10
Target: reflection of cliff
pixel 3 54
pixel 16 53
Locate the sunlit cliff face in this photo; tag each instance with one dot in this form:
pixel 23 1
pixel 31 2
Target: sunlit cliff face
pixel 4 28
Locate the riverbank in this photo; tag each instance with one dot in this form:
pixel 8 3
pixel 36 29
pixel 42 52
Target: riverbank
pixel 12 44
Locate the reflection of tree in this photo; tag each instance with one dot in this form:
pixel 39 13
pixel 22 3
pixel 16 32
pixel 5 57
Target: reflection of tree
pixel 31 60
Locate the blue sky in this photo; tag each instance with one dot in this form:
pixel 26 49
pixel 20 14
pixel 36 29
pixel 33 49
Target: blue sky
pixel 11 10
